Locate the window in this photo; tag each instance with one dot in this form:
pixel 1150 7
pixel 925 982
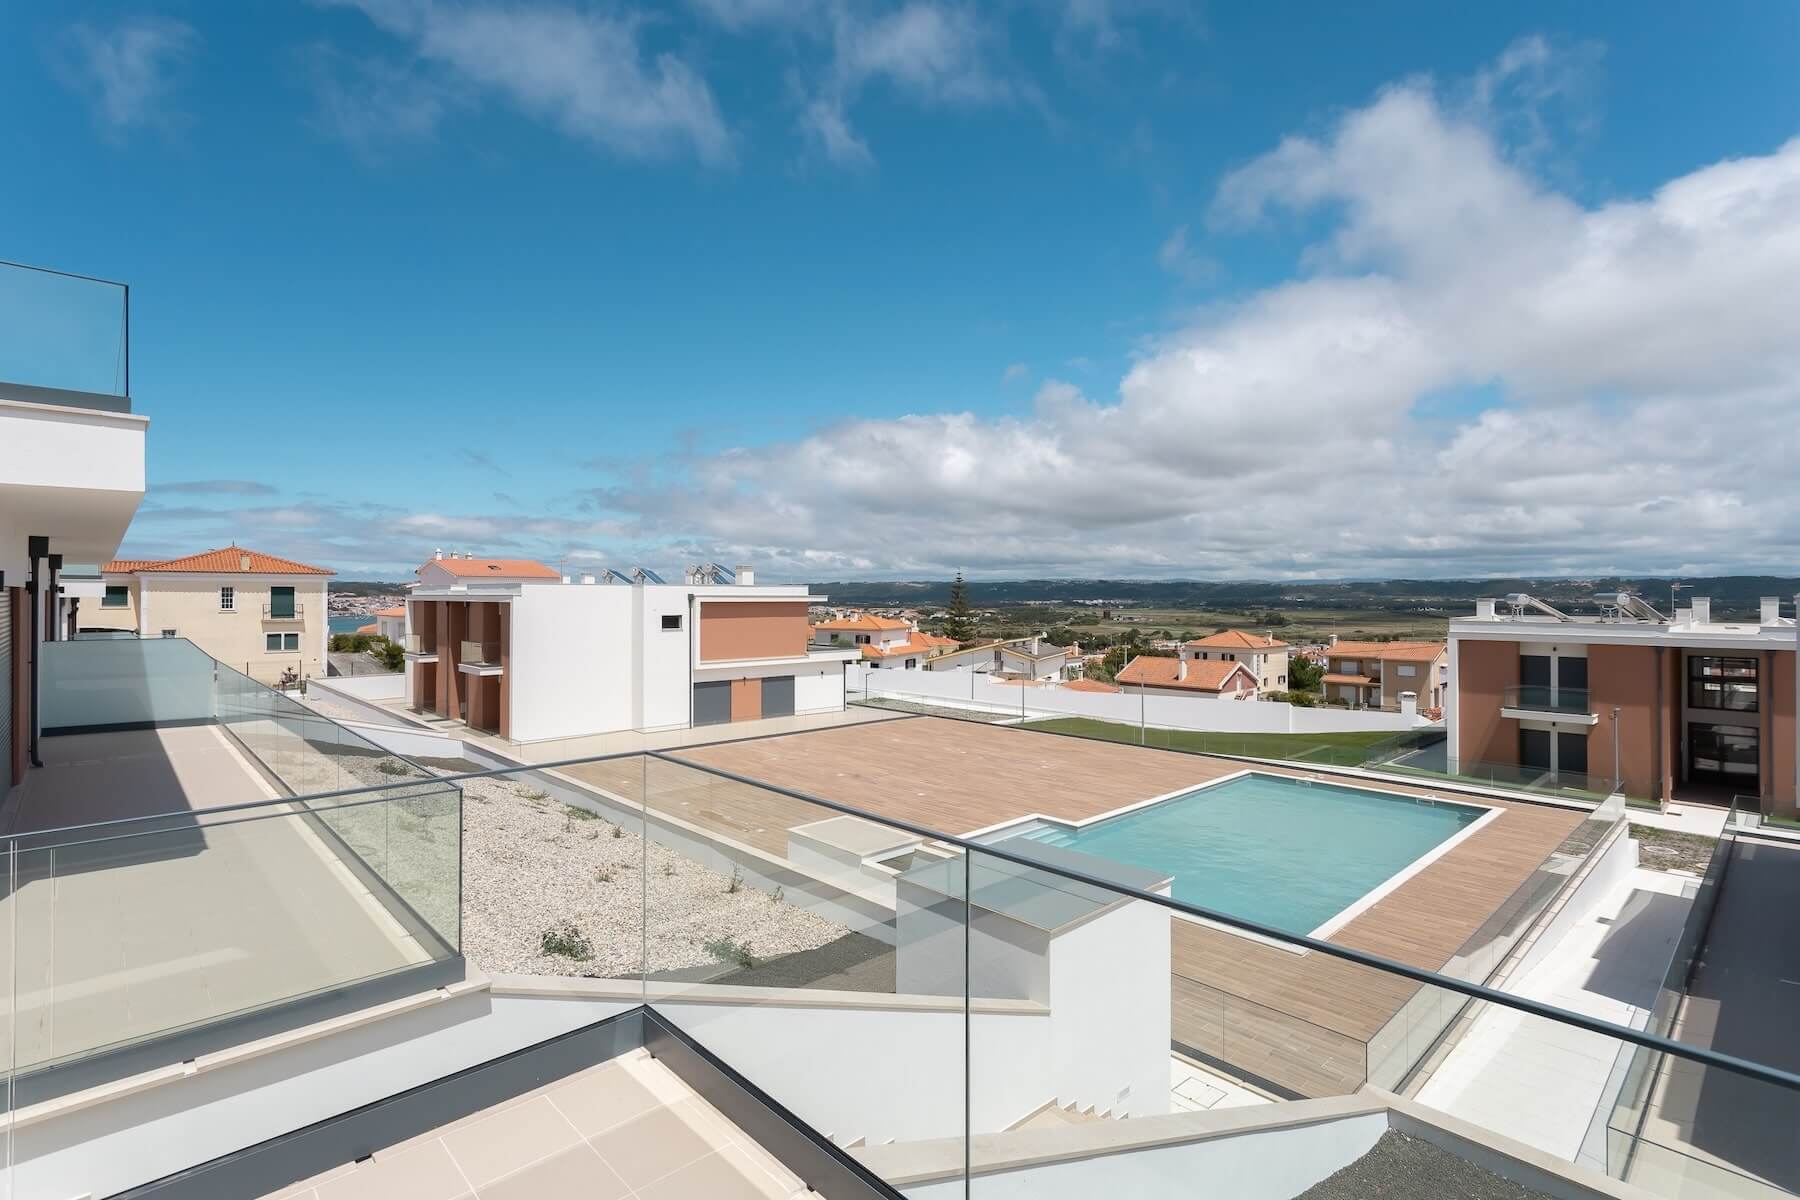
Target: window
pixel 227 599
pixel 1727 684
pixel 1405 670
pixel 281 602
pixel 1534 670
pixel 168 633
pixel 277 642
pixel 912 662
pixel 1281 679
pixel 671 621
pixel 118 595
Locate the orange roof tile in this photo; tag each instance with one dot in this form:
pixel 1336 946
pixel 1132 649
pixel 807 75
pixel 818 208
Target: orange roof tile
pixel 1381 651
pixel 368 628
pixel 398 610
pixel 933 641
pixel 1151 671
pixel 862 623
pixel 493 568
pixel 1354 680
pixel 1237 639
pixel 1089 685
pixel 226 560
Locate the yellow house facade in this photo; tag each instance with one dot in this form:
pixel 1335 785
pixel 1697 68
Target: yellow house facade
pixel 257 613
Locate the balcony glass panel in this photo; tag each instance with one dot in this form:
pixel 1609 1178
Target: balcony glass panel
pixel 63 338
pixel 1548 699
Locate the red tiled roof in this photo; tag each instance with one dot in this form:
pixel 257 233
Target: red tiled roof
pixel 1089 685
pixel 1354 680
pixel 1237 639
pixel 493 568
pixel 862 623
pixel 1149 671
pixel 227 560
pixel 368 628
pixel 1387 651
pixel 398 610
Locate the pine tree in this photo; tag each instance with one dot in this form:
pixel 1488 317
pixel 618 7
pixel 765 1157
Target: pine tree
pixel 960 624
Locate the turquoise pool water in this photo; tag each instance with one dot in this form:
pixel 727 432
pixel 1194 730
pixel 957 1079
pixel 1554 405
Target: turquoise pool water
pixel 1271 849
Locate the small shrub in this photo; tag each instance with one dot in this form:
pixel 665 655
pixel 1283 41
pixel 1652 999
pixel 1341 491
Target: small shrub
pixel 736 883
pixel 533 794
pixel 576 812
pixel 603 875
pixel 668 869
pixel 730 950
pixel 566 941
pixel 779 894
pixel 618 831
pixel 390 766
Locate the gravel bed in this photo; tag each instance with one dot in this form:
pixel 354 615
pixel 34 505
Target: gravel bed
pixel 1399 1167
pixel 532 865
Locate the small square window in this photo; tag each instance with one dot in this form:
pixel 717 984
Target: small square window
pixel 290 641
pixel 118 595
pixel 671 621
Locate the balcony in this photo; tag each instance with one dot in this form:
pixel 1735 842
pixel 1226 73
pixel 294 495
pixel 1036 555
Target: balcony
pixel 1535 702
pixel 159 890
pixel 420 648
pixel 284 612
pixel 478 658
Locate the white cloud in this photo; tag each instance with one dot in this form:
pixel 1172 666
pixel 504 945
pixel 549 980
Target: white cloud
pixel 584 71
pixel 1642 352
pixel 128 71
pixel 929 52
pixel 1178 257
pixel 1015 372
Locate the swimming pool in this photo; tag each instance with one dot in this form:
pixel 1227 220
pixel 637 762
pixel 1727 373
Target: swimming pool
pixel 1291 853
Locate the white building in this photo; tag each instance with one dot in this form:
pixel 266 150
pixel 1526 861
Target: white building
pixel 882 641
pixel 513 648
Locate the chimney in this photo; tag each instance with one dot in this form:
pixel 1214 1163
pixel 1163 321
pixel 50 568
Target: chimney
pixel 1771 609
pixel 1181 670
pixel 587 577
pixel 1490 605
pixel 1484 610
pixel 439 556
pixel 1702 610
pixel 243 562
pixel 745 575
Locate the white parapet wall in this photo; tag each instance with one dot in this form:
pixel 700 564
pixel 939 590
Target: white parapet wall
pixel 981 692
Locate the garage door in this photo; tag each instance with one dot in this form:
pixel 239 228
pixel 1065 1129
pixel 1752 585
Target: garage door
pixel 778 696
pixel 712 703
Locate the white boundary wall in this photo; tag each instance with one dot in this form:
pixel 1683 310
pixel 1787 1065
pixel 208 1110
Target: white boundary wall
pixel 969 689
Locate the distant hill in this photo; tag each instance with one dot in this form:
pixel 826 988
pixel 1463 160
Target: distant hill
pixel 1732 595
pixel 365 587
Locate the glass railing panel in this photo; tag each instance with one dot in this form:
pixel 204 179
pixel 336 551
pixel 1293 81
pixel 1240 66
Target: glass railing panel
pixel 1543 698
pixel 126 682
pixel 135 930
pixel 63 332
pixel 821 954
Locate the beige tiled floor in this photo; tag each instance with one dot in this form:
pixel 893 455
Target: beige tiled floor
pixel 625 1129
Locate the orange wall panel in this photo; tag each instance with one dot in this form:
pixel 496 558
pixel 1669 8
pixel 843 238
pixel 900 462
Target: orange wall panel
pixel 1624 677
pixel 753 629
pixel 1484 670
pixel 746 699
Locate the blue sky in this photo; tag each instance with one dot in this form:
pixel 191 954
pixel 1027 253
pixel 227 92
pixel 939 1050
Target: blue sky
pixel 851 289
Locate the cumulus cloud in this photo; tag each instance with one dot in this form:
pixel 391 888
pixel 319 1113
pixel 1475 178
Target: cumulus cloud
pixel 1623 379
pixel 585 71
pixel 128 72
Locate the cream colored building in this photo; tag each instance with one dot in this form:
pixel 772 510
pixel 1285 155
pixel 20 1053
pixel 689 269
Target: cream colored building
pixel 254 612
pixel 1264 656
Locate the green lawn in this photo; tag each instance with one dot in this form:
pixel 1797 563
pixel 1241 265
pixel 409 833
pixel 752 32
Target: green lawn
pixel 1332 749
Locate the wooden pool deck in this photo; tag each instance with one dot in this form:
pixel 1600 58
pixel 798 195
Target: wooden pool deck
pixel 1301 1022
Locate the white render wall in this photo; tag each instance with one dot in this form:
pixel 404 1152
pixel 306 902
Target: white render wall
pixel 664 696
pixel 570 660
pixel 971 689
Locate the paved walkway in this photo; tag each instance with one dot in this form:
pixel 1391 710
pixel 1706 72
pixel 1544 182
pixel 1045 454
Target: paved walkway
pixel 1539 1081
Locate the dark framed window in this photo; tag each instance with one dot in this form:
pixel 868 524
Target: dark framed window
pixel 1722 683
pixel 1571 753
pixel 1728 754
pixel 671 621
pixel 1534 670
pixel 118 595
pixel 273 642
pixel 1571 673
pixel 1534 748
pixel 281 602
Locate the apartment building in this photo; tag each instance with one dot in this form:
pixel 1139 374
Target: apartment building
pixel 1262 653
pixel 263 614
pixel 1215 678
pixel 1016 658
pixel 516 649
pixel 1676 706
pixel 1378 674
